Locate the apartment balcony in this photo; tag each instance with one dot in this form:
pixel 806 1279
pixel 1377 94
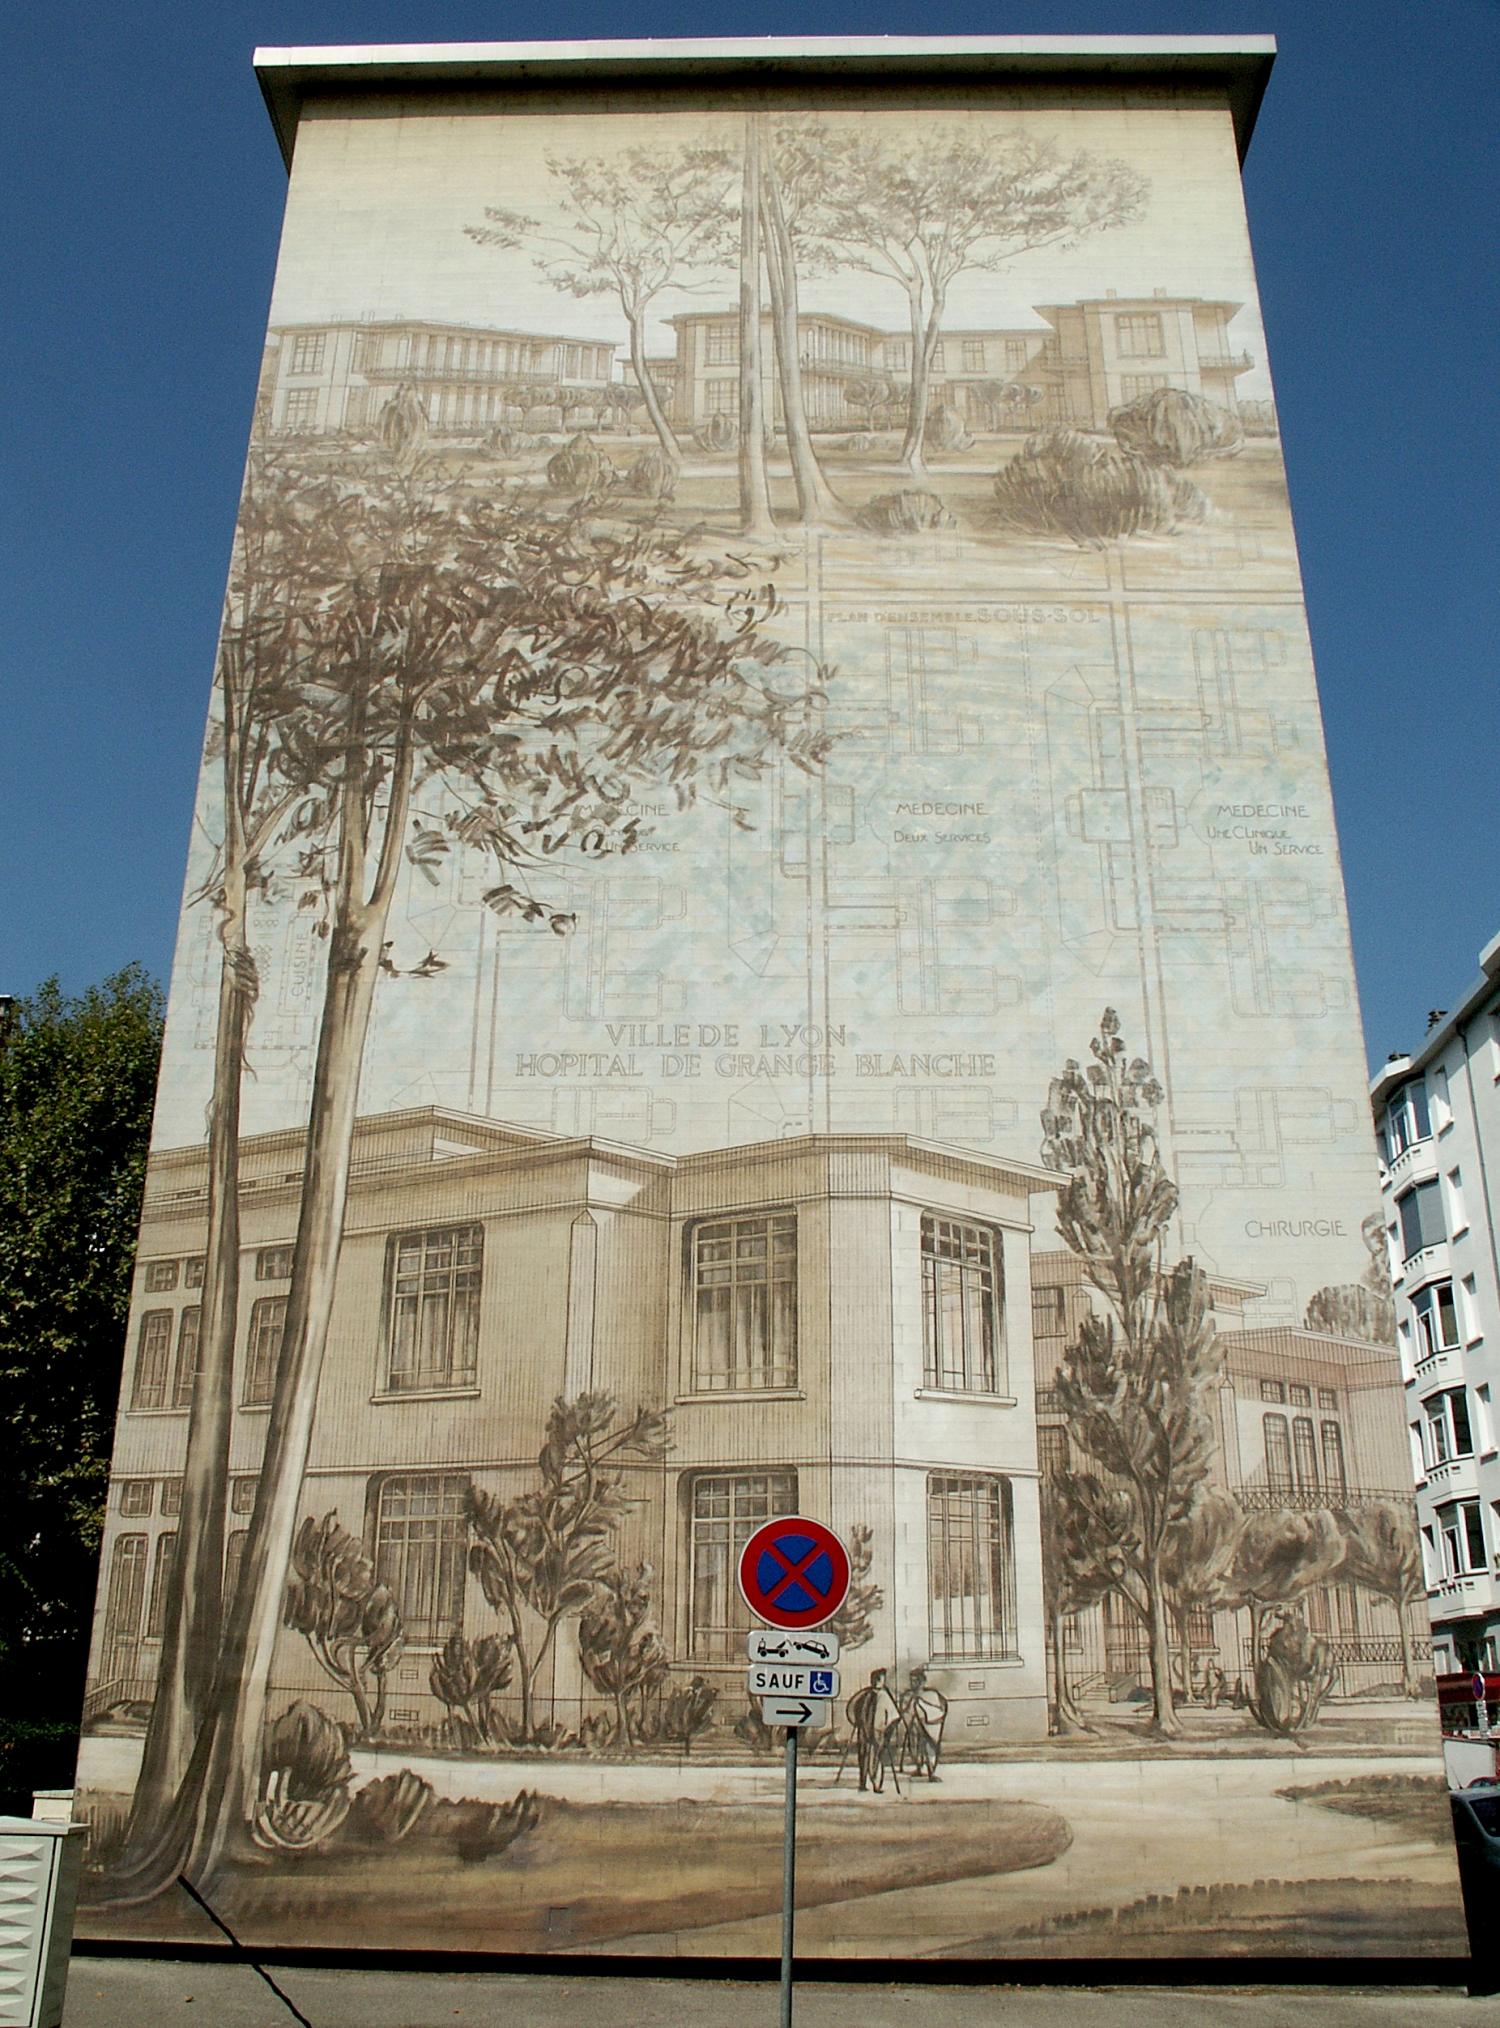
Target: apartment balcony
pixel 1416 1164
pixel 1443 1368
pixel 1428 1264
pixel 1455 1478
pixel 1465 1596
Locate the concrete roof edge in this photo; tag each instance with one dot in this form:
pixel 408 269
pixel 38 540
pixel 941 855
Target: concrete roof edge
pixel 289 76
pixel 1403 1064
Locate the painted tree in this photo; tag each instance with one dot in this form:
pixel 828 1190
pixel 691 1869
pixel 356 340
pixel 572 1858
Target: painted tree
pixel 871 392
pixel 1381 1552
pixel 347 1616
pixel 1199 1554
pixel 854 1622
pixel 1280 1556
pixel 524 674
pixel 1134 1384
pixel 618 1645
pixel 467 1676
pixel 628 227
pixel 1080 1519
pixel 924 211
pixel 756 518
pixel 544 1556
pixel 1365 1309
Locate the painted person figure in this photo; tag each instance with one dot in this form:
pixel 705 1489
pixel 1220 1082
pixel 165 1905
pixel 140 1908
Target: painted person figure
pixel 874 1717
pixel 924 1712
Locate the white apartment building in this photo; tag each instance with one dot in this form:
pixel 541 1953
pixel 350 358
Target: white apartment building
pixel 1437 1117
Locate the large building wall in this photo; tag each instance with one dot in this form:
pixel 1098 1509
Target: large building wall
pixel 708 884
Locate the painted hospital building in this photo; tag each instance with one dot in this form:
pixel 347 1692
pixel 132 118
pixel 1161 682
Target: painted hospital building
pixel 854 1325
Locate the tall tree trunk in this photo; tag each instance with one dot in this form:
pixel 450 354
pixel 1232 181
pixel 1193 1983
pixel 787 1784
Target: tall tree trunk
pixel 649 395
pixel 816 500
pixel 1164 1720
pixel 914 443
pixel 1070 1719
pixel 755 494
pixel 193 1619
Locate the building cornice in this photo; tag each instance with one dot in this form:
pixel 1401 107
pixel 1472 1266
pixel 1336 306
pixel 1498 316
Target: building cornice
pixel 1236 66
pixel 1399 1067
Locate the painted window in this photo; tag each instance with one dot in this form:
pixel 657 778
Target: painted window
pixel 432 1328
pixel 971 1584
pixel 421 1547
pixel 1421 1214
pixel 262 1348
pixel 161 1275
pixel 721 346
pixel 745 1302
pixel 1305 1453
pixel 897 354
pixel 1298 1396
pixel 234 1561
pixel 721 397
pixel 301 409
pixel 1333 1457
pixel 1139 336
pixel 726 1509
pixel 136 1497
pixel 192 1271
pixel 962 1288
pixel 973 355
pixel 307 351
pixel 1015 353
pixel 1278 1443
pixel 1049 1311
pixel 186 1370
pixel 1273 1390
pixel 274 1263
pixel 152 1360
pixel 161 1577
pixel 242 1493
pixel 938 357
pixel 127 1592
pixel 1437 1319
pixel 1328 1397
pixel 1134 385
pixel 171 1496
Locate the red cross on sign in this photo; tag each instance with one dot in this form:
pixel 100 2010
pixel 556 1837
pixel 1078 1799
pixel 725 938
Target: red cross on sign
pixel 794 1572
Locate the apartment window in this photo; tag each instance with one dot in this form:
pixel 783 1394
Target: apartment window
pixel 1421 1214
pixel 432 1336
pixel 970 1567
pixel 1449 1434
pixel 307 351
pixel 1273 1390
pixel 171 1496
pixel 242 1493
pixel 274 1263
pixel 1333 1458
pixel 1015 354
pixel 192 1271
pixel 1278 1442
pixel 421 1547
pixel 1299 1397
pixel 961 1294
pixel 745 1302
pixel 301 409
pixel 721 346
pixel 161 1275
pixel 1442 1103
pixel 186 1371
pixel 1304 1453
pixel 1437 1319
pixel 973 355
pixel 1458 1217
pixel 1406 1119
pixel 721 397
pixel 262 1349
pixel 161 1577
pixel 1139 336
pixel 152 1360
pixel 136 1497
pixel 726 1509
pixel 1461 1533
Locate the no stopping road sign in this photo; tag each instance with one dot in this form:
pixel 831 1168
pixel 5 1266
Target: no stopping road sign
pixel 794 1572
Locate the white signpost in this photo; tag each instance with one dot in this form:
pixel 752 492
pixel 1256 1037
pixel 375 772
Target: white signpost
pixel 794 1576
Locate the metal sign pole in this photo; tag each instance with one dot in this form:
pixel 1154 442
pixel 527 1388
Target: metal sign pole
pixel 789 1877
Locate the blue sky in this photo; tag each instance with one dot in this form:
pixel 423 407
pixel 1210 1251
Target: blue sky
pixel 145 196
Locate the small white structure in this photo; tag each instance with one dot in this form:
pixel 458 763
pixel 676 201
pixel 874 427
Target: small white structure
pixel 39 1864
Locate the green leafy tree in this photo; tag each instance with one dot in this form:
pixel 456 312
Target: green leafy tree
pixel 77 1081
pixel 619 1647
pixel 348 1617
pixel 544 1556
pixel 1381 1552
pixel 1134 1384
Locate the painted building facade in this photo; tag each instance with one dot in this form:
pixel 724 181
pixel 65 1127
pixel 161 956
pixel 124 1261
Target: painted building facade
pixel 730 968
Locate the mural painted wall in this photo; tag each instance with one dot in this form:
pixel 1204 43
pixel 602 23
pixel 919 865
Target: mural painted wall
pixel 764 930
